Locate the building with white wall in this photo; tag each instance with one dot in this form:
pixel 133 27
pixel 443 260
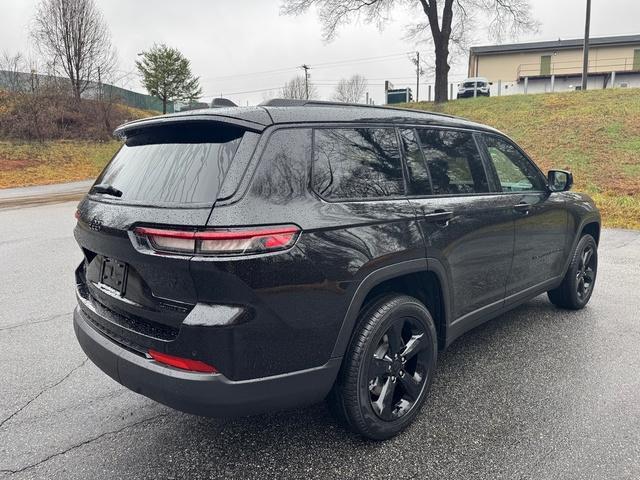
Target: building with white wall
pixel 538 67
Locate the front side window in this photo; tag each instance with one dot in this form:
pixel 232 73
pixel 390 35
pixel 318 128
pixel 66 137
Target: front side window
pixel 357 163
pixel 454 162
pixel 515 172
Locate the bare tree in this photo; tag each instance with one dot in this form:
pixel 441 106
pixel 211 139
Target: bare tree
pixel 74 37
pixel 447 22
pixel 12 68
pixel 296 88
pixel 351 90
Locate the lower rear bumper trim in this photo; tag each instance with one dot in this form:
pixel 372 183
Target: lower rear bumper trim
pixel 211 395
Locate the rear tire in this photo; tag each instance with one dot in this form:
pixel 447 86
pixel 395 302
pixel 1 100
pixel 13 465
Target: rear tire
pixel 577 286
pixel 388 368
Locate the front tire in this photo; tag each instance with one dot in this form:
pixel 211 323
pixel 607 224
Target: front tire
pixel 388 368
pixel 577 286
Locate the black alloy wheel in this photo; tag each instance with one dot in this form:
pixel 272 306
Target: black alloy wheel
pixel 398 369
pixel 577 286
pixel 586 274
pixel 388 367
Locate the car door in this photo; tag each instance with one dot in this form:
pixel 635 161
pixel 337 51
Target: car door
pixel 467 229
pixel 540 218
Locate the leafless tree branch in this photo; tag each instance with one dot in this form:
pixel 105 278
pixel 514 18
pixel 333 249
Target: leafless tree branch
pixel 75 40
pixel 351 90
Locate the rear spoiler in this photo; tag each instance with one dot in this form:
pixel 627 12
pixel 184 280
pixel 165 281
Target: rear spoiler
pixel 128 129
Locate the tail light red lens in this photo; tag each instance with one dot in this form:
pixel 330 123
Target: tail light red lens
pixel 182 363
pixel 235 241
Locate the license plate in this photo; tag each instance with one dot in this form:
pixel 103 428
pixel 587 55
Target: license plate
pixel 114 274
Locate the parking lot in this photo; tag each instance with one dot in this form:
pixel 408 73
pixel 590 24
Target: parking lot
pixel 537 393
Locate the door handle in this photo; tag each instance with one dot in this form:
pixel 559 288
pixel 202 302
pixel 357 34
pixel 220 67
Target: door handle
pixel 523 208
pixel 439 217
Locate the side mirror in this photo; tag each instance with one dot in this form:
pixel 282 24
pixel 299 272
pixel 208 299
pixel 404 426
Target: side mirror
pixel 559 180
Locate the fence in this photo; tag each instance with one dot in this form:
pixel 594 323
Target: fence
pixel 21 81
pixel 571 67
pixel 540 84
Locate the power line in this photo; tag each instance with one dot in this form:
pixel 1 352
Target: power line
pixel 318 65
pixel 251 74
pixel 361 59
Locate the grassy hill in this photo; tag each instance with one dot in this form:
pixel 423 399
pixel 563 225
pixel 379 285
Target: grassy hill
pixel 594 134
pixel 46 138
pixel 54 161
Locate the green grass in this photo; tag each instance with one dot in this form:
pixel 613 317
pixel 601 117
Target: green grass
pixel 23 164
pixel 595 134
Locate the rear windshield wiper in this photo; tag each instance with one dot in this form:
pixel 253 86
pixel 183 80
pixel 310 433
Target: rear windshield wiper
pixel 106 189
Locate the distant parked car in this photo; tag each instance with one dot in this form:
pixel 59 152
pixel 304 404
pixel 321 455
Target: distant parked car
pixel 243 260
pixel 481 84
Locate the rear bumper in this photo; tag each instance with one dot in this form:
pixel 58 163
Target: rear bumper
pixel 199 393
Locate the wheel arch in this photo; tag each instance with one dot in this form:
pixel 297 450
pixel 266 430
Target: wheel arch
pixel 593 229
pixel 417 278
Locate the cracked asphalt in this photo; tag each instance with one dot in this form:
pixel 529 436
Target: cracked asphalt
pixel 537 393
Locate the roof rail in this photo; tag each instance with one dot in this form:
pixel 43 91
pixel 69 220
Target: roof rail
pixel 291 102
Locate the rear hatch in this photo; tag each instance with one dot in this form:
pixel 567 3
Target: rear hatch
pixel 165 175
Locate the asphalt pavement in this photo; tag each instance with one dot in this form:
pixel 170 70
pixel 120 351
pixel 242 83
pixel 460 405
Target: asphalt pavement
pixel 43 194
pixel 538 393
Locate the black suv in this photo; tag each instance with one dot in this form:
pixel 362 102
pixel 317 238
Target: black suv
pixel 242 260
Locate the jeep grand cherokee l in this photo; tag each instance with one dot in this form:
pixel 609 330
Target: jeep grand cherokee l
pixel 243 260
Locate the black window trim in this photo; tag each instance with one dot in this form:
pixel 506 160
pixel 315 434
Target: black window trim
pixel 494 173
pixel 352 126
pixel 405 164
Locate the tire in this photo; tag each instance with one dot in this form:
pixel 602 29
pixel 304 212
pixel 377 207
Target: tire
pixel 577 286
pixel 388 368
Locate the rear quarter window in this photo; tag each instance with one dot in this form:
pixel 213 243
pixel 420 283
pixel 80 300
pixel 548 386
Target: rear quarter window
pixel 282 173
pixel 357 163
pixel 175 165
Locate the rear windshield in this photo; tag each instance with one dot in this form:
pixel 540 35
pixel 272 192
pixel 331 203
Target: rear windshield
pixel 179 164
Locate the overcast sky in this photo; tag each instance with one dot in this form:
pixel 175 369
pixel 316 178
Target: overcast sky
pixel 235 45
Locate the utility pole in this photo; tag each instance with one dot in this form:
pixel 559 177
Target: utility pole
pixel 306 79
pixel 419 71
pixel 585 60
pixel 417 76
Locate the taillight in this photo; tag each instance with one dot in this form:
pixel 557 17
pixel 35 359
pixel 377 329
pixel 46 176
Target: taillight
pixel 233 241
pixel 182 363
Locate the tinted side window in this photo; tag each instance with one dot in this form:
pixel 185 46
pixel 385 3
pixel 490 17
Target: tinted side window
pixel 515 172
pixel 282 173
pixel 419 181
pixel 352 163
pixel 454 162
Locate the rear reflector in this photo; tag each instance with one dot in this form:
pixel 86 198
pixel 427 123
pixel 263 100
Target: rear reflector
pixel 182 363
pixel 236 241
